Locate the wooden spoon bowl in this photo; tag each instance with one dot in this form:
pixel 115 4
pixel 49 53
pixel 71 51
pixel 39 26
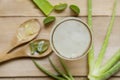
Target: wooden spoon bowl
pixel 26 32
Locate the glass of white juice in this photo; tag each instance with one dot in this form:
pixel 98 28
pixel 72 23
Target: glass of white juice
pixel 71 38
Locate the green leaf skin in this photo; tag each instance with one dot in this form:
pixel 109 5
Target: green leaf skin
pixel 58 71
pixel 96 72
pixel 47 72
pixel 75 9
pixel 111 71
pixel 106 40
pixel 44 6
pixel 91 57
pixel 66 69
pixel 90 13
pixel 107 74
pixel 49 20
pixel 111 62
pixel 60 7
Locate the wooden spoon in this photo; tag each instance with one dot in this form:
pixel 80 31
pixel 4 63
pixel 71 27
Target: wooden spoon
pixel 23 51
pixel 25 33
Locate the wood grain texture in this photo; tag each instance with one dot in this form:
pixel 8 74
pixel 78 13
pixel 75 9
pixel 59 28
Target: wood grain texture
pixel 25 67
pixel 15 12
pixel 27 8
pixel 48 78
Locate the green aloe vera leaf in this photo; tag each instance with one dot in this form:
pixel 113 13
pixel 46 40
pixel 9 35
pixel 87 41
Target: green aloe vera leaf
pixel 111 62
pixel 60 7
pixel 90 13
pixel 107 74
pixel 42 46
pixel 113 65
pixel 58 71
pixel 111 71
pixel 47 72
pixel 106 40
pixel 44 6
pixel 91 58
pixel 75 9
pixel 66 69
pixel 49 19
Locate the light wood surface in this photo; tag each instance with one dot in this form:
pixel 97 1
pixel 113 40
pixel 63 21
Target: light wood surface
pixel 26 7
pixel 78 68
pixel 47 78
pixel 15 12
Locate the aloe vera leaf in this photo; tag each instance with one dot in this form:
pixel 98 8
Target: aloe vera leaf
pixel 66 69
pixel 47 72
pixel 58 71
pixel 111 62
pixel 44 6
pixel 107 74
pixel 110 72
pixel 106 40
pixel 91 57
pixel 75 9
pixel 90 13
pixel 49 19
pixel 60 7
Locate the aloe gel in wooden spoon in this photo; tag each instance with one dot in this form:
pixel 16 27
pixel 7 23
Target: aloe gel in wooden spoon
pixel 25 33
pixel 28 30
pixel 39 46
pixel 25 51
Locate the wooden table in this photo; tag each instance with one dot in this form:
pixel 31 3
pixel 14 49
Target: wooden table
pixel 15 12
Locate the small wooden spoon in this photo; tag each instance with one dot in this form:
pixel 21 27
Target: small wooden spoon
pixel 23 51
pixel 25 33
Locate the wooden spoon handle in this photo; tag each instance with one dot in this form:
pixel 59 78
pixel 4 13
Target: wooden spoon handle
pixel 5 57
pixel 11 48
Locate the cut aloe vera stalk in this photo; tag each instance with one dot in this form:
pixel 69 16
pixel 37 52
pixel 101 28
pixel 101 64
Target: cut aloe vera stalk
pixel 49 19
pixel 60 7
pixel 75 9
pixel 44 6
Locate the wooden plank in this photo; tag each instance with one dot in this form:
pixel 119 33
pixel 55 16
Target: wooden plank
pixel 27 8
pixel 48 78
pixel 25 67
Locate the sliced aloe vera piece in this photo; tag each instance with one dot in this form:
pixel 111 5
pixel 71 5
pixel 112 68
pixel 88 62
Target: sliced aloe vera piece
pixel 60 7
pixel 42 46
pixel 75 9
pixel 49 19
pixel 44 6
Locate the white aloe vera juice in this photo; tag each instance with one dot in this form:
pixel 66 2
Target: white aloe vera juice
pixel 71 38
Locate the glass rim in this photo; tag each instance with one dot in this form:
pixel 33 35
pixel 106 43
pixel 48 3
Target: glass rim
pixel 57 52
